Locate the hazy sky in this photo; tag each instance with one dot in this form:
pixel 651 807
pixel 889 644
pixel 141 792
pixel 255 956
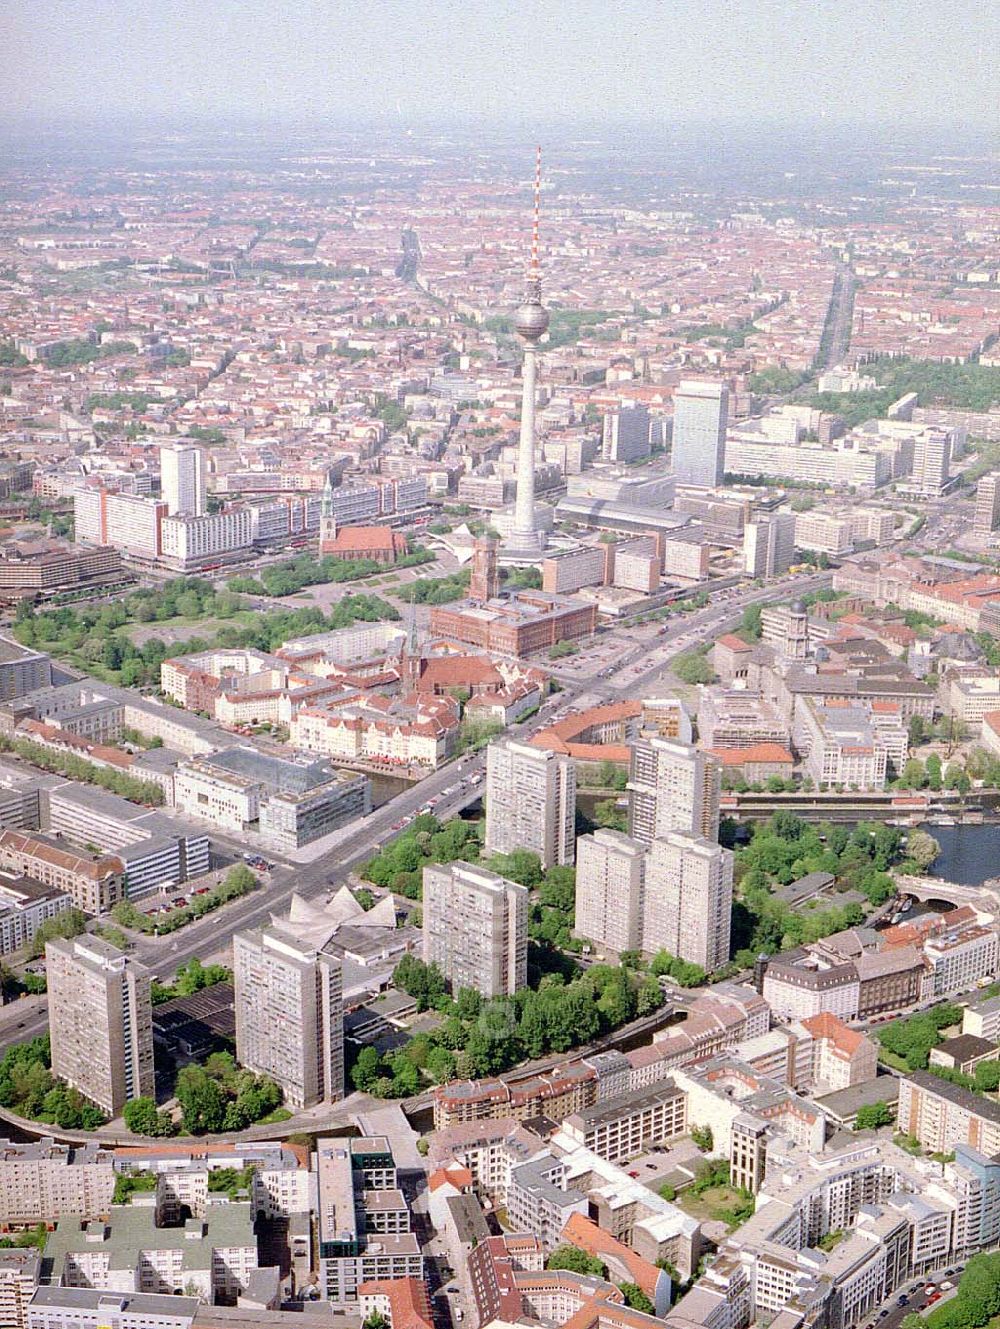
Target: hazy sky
pixel 876 60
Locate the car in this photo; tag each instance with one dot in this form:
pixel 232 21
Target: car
pixel 451 1290
pixel 882 1314
pixel 633 1173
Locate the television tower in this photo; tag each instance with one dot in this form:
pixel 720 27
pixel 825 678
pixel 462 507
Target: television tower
pixel 531 321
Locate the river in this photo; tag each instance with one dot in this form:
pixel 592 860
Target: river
pixel 969 854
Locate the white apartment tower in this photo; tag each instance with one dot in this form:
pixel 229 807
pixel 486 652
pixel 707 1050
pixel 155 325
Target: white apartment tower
pixel 289 1015
pixel 672 787
pixel 610 872
pixel 530 801
pixel 701 415
pixel 987 516
pixel 100 1021
pixel 475 928
pixel 688 899
pixel 182 479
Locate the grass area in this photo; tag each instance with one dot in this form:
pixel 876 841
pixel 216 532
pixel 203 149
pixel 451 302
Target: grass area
pixel 140 632
pixel 718 1204
pixel 890 1059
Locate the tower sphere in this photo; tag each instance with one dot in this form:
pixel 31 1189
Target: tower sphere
pixel 531 320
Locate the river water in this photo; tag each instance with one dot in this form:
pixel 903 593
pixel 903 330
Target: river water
pixel 969 854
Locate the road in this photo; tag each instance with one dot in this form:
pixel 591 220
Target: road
pixel 839 318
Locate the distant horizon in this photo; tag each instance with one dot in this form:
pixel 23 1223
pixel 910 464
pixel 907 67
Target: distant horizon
pixel 501 62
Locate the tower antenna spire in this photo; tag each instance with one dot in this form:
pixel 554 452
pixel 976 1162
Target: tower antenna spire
pixel 534 274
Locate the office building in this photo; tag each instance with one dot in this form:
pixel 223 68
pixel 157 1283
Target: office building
pixel 626 434
pixel 987 515
pixel 363 1222
pixel 289 1013
pixel 610 872
pixel 22 669
pixel 46 567
pixel 769 545
pixel 530 802
pixel 672 787
pixel 688 899
pixel 182 479
pixel 90 1308
pixel 932 452
pixel 701 415
pixel 291 801
pixel 100 1022
pixel 475 928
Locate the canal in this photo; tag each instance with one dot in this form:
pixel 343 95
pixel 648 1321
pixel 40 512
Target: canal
pixel 969 854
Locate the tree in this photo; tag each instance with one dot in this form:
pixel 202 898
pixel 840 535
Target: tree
pixel 872 1116
pixel 142 1118
pixel 914 774
pixel 636 1298
pixel 376 1320
pixel 933 767
pixel 201 1100
pixel 366 1070
pixel 441 1065
pixel 702 1138
pixel 576 1260
pixel 750 624
pixel 693 667
pixel 922 848
pixel 987 1076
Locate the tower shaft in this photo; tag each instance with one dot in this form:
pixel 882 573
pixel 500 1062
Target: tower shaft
pixel 524 510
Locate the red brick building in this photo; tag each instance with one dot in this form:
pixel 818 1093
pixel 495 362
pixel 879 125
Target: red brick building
pixel 380 543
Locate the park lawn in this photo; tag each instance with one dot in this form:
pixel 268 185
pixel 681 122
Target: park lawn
pixel 138 633
pixel 712 1205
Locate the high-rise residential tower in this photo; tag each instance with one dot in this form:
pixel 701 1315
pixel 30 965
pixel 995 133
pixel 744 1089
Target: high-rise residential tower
pixel 987 515
pixel 769 544
pixel 475 928
pixel 701 414
pixel 688 899
pixel 626 434
pixel 610 871
pixel 100 1021
pixel 530 801
pixel 531 321
pixel 289 1014
pixel 182 479
pixel 672 787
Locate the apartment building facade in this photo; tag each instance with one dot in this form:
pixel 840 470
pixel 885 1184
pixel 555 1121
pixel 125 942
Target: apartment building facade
pixel 100 1021
pixel 475 928
pixel 530 802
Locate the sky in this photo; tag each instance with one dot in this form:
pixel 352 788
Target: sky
pixel 876 62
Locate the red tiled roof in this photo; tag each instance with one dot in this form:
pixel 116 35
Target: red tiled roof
pixel 760 752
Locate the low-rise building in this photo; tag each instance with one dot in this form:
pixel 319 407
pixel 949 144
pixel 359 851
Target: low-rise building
pixel 291 801
pixel 90 1308
pixel 619 1128
pixel 212 1257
